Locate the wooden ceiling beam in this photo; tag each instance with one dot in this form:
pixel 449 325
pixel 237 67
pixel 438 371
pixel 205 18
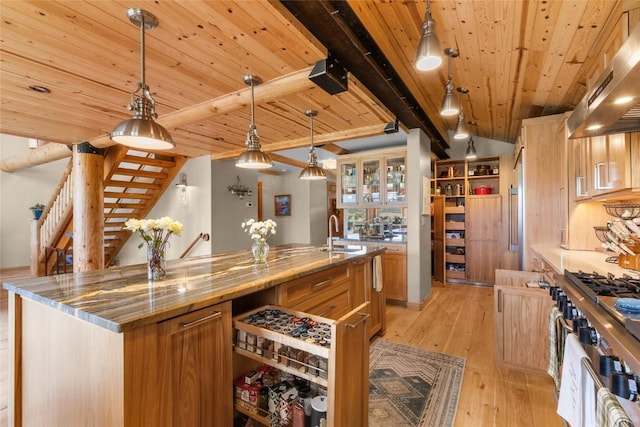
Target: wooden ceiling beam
pixel 319 140
pixel 292 83
pixel 288 161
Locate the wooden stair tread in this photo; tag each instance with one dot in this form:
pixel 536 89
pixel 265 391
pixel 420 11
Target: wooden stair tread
pixel 132 184
pixel 141 172
pixel 148 161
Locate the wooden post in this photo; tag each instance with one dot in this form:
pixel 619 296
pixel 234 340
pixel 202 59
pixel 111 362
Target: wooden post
pixel 88 208
pixel 36 267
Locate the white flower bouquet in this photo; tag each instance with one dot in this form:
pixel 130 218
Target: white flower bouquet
pixel 259 230
pixel 156 233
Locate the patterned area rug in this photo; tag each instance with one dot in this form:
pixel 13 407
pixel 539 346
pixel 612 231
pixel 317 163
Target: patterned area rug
pixel 412 387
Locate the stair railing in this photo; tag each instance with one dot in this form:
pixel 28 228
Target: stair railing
pixel 202 236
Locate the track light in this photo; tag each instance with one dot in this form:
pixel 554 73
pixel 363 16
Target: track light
pixel 429 55
pixel 254 157
pixel 312 171
pixel 142 131
pixel 450 106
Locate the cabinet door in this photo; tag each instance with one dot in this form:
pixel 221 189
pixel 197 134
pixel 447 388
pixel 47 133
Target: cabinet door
pixel 363 279
pixel 438 238
pixel 482 257
pixel 195 359
pixel 395 181
pixel 371 189
pixel 483 217
pixel 347 183
pixel 610 159
pixel 581 176
pixel 521 321
pixel 394 268
pixel 349 374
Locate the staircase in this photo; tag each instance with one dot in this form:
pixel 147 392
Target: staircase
pixel 133 183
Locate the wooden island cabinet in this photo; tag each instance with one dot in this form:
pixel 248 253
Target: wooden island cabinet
pixel 107 348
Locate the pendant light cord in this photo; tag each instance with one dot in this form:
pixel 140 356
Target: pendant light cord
pixel 142 64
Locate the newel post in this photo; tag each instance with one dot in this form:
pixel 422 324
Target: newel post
pixel 88 207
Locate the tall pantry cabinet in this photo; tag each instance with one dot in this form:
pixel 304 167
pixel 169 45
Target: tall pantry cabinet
pixel 469 240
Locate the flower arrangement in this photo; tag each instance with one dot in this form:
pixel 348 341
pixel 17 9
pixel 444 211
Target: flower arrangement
pixel 156 233
pixel 259 231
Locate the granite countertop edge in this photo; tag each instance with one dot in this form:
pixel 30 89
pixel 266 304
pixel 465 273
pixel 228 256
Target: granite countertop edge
pixel 122 299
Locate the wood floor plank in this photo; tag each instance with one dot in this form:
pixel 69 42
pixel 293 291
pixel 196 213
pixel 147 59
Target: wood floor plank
pixel 458 320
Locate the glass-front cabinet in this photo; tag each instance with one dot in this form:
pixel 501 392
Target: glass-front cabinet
pixel 372 179
pixel 348 183
pixel 395 192
pixel 370 194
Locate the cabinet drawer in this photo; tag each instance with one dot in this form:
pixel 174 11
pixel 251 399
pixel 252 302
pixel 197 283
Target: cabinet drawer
pixel 454 225
pixel 333 306
pixel 314 286
pixel 455 258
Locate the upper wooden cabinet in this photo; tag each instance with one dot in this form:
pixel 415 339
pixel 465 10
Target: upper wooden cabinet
pixel 373 179
pixel 605 167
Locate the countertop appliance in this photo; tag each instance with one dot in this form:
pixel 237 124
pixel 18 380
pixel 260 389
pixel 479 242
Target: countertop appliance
pixel 605 291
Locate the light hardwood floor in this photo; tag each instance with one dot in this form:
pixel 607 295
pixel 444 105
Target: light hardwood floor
pixel 457 320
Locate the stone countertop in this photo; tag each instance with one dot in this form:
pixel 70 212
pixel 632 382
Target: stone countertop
pixel 587 261
pixel 121 299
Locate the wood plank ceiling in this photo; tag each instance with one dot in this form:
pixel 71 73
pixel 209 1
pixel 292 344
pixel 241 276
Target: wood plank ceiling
pixel 519 59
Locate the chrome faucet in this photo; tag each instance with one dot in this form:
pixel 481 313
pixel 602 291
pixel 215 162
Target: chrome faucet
pixel 331 231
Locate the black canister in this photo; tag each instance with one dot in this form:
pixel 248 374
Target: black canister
pixel 319 411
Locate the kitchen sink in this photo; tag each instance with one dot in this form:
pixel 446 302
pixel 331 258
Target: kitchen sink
pixel 342 248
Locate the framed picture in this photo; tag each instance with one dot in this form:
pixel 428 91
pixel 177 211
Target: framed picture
pixel 282 203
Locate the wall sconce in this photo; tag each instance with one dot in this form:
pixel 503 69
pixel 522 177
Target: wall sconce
pixel 182 185
pixel 182 180
pixel 239 190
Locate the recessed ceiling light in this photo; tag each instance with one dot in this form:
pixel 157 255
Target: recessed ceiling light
pixel 623 100
pixel 594 127
pixel 40 89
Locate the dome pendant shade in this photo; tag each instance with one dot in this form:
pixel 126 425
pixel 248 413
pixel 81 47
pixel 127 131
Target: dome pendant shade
pixel 462 130
pixel 429 54
pixel 312 171
pixel 254 157
pixel 450 105
pixel 471 150
pixel 142 131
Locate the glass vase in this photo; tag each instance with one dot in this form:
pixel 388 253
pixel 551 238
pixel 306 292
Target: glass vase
pixel 156 263
pixel 260 251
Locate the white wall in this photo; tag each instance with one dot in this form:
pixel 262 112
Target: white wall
pixel 18 191
pixel 418 225
pixel 485 147
pixel 194 214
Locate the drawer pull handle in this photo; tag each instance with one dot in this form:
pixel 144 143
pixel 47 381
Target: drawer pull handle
pixel 362 319
pixel 213 315
pixel 324 282
pixel 329 310
pixel 499 301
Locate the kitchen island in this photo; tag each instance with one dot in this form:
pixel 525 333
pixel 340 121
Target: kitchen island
pixel 107 347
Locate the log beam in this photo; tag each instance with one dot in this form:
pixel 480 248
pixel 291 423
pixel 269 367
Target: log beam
pixel 295 82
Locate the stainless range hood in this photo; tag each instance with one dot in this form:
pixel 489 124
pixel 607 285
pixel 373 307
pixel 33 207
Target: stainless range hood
pixel 601 106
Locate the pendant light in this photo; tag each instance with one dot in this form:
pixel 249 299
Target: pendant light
pixel 254 157
pixel 142 131
pixel 462 130
pixel 471 149
pixel 449 106
pixel 313 171
pixel 429 55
